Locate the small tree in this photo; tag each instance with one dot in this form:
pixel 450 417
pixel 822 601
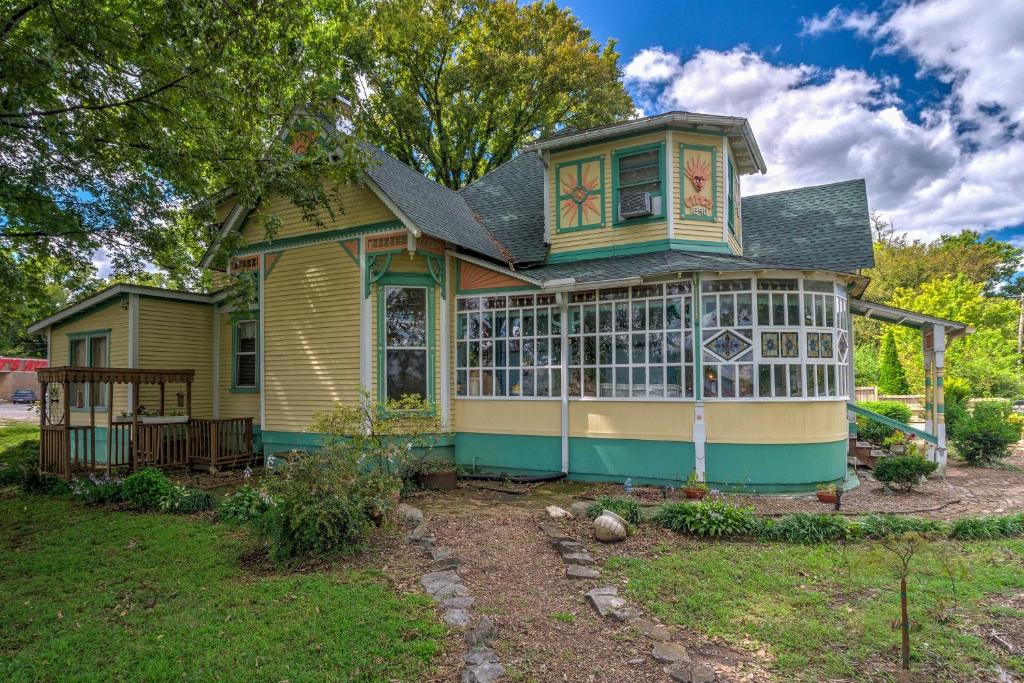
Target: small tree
pixel 903 548
pixel 892 378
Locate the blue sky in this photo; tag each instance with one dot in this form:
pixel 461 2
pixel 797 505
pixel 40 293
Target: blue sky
pixel 925 100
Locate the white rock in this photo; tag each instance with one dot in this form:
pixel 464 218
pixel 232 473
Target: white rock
pixel 556 512
pixel 609 527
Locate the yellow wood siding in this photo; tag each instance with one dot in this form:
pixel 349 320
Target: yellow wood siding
pixel 689 229
pixel 233 404
pixel 781 422
pixel 111 317
pixel 359 206
pixel 607 236
pixel 311 335
pixel 514 416
pixel 172 335
pixel 651 420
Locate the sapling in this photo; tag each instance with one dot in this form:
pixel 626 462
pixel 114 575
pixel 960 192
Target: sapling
pixel 903 548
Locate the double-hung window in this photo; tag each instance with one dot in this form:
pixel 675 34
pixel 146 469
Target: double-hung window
pixel 246 353
pixel 639 184
pixel 90 350
pixel 406 342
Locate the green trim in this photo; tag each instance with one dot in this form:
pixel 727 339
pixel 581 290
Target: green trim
pixel 627 136
pixel 92 310
pixel 317 237
pixel 713 218
pixel 373 274
pixel 235 389
pixel 87 337
pixel 578 163
pixel 640 248
pixel 520 453
pixel 644 461
pixel 627 151
pixel 698 366
pixel 895 424
pixel 406 280
pixel 731 200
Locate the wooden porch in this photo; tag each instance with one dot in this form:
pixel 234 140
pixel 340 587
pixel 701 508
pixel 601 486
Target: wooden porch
pixel 134 441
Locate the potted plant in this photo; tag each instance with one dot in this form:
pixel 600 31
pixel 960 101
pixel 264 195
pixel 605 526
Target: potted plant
pixel 437 473
pixel 827 493
pixel 695 489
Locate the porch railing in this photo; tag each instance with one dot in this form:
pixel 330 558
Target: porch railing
pixel 890 422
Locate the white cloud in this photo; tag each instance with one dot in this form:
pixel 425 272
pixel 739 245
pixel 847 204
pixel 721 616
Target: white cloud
pixel 863 23
pixel 957 165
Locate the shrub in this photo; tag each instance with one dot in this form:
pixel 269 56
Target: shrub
pixel 318 506
pixel 145 489
pixel 982 528
pixel 35 483
pixel 98 490
pixel 626 508
pixel 802 527
pixel 707 518
pixel 892 378
pixel 985 435
pixel 872 431
pixel 903 471
pixel 882 526
pixel 186 500
pixel 243 506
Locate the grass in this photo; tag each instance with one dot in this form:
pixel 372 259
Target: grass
pixel 95 595
pixel 11 437
pixel 828 612
pixel 564 617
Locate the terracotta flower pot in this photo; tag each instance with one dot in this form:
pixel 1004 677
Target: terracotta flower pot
pixel 827 496
pixel 446 480
pixel 695 494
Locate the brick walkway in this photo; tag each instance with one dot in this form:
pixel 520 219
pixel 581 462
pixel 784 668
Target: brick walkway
pixel 984 491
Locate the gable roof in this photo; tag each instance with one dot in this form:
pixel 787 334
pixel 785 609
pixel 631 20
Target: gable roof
pixel 510 202
pixel 824 226
pixel 429 206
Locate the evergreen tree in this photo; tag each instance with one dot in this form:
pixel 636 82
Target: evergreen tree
pixel 892 379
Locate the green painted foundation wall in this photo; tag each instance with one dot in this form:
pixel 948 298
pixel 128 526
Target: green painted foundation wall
pixel 645 462
pixel 772 468
pixel 281 443
pixel 508 453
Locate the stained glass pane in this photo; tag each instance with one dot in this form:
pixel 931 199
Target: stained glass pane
pixel 790 345
pixel 727 345
pixel 770 344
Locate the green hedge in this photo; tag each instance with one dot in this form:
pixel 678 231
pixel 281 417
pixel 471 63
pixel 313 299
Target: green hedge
pixel 875 432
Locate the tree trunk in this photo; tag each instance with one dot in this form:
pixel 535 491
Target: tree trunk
pixel 905 653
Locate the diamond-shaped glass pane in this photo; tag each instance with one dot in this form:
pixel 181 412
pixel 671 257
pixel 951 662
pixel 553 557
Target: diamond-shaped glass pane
pixel 843 346
pixel 727 345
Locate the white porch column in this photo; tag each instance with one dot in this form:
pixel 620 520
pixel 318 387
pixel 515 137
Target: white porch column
pixel 562 298
pixel 938 394
pixel 929 405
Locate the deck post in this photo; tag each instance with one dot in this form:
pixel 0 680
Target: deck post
pixel 110 423
pixel 66 439
pixel 162 398
pixel 134 444
pixel 938 395
pixel 43 445
pixel 214 443
pixel 92 425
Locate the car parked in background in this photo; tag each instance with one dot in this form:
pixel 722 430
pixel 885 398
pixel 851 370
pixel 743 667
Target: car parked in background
pixel 24 396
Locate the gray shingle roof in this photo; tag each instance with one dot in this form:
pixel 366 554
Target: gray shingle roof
pixel 510 200
pixel 433 208
pixel 654 263
pixel 825 226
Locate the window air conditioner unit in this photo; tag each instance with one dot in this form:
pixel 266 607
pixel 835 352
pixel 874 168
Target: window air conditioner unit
pixel 635 205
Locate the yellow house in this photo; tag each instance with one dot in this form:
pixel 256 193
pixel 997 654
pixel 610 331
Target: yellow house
pixel 607 305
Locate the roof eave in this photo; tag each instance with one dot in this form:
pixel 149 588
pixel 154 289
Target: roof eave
pixel 111 293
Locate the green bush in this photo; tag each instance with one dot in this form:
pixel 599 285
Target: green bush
pixel 713 518
pixel 35 483
pixel 626 508
pixel 186 500
pixel 903 471
pixel 985 434
pixel 97 490
pixel 243 506
pixel 322 505
pixel 876 433
pixel 809 529
pixel 883 526
pixel 983 528
pixel 145 489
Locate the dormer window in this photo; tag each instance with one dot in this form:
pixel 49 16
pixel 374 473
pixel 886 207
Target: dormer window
pixel 639 177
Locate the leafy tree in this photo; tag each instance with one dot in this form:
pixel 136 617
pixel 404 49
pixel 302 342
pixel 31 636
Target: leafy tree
pixel 456 87
pixel 892 378
pixel 116 116
pixel 986 359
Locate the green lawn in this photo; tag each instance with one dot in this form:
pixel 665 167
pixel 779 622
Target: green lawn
pixel 12 436
pixel 98 595
pixel 824 614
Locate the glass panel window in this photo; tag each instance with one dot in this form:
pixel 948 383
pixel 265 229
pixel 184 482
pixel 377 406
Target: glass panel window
pixel 91 350
pixel 637 174
pixel 405 350
pixel 634 344
pixel 520 351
